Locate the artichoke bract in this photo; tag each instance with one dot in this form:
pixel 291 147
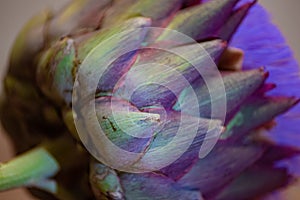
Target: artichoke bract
pixel 151 99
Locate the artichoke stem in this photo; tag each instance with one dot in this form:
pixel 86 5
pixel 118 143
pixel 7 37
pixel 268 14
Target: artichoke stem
pixel 31 169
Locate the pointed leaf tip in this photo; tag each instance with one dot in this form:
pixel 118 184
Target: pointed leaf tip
pixel 255 182
pixel 276 153
pixel 231 25
pixel 222 165
pixel 238 87
pixel 200 22
pixel 76 17
pixel 159 77
pixel 256 112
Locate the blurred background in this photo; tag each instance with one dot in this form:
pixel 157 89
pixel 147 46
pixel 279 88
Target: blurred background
pixel 14 13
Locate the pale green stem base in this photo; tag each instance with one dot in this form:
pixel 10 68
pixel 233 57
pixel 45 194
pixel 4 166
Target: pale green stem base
pixel 31 169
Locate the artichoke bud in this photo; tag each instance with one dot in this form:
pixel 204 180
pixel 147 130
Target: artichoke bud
pixel 28 43
pixel 78 16
pixel 231 25
pixel 151 87
pixel 21 93
pixel 145 133
pixel 117 39
pixel 147 87
pixel 220 167
pixel 188 3
pixel 203 131
pixel 155 187
pixel 58 65
pixel 26 105
pixel 68 118
pixel 86 44
pixel 156 10
pixel 125 125
pixel 202 21
pixel 105 182
pixel 259 180
pixel 257 112
pixel 238 87
pixel 272 155
pixel 55 74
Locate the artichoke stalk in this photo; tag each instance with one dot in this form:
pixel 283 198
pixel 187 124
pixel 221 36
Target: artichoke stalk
pixel 189 130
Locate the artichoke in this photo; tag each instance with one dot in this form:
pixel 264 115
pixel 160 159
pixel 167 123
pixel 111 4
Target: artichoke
pixel 148 99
